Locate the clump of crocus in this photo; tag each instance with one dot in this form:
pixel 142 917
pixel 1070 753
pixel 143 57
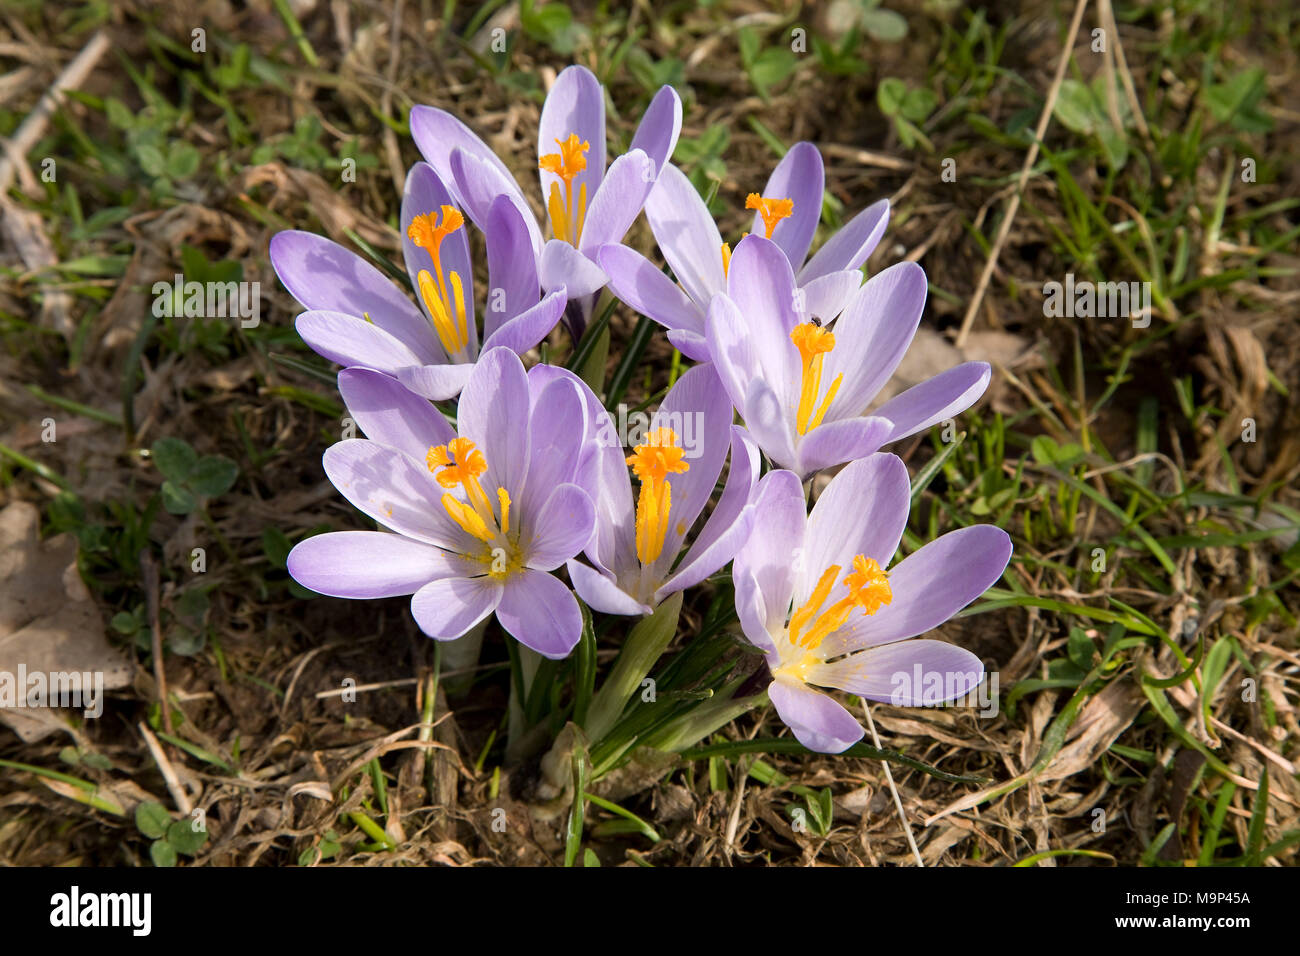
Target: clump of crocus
pixel 814 592
pixel 802 385
pixel 482 515
pixel 634 552
pixel 786 211
pixel 357 317
pixel 587 206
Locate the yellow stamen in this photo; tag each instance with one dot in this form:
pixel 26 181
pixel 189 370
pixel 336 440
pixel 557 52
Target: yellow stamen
pixel 462 323
pixel 559 216
pixel 581 213
pixel 433 301
pixel 868 586
pixel 446 311
pixel 771 211
pixel 459 462
pixel 503 499
pixel 652 463
pixel 805 613
pixel 726 258
pixel 567 163
pixel 813 342
pixel 467 518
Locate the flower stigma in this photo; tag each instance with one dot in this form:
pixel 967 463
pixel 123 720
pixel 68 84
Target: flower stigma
pixel 567 163
pixel 869 590
pixel 462 464
pixel 772 211
pixel 813 342
pixel 652 463
pixel 446 309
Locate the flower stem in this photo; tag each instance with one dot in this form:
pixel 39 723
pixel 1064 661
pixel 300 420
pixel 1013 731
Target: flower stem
pixel 644 644
pixel 527 661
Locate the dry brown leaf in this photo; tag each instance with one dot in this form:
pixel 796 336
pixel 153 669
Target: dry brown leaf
pixel 1104 717
pixel 48 621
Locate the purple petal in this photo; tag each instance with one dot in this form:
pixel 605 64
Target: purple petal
pixel 639 283
pixel 349 340
pixel 541 613
pixel 391 414
pixel 438 134
pixel 752 612
pixel 850 247
pixel 727 529
pixel 479 184
pixel 818 722
pixel 494 414
pixel 837 442
pixel 687 235
pixel 601 470
pixel 872 335
pixel 513 286
pixel 906 674
pixel 712 557
pixel 770 422
pixel 525 330
pixel 929 587
pixel 656 136
pixel 435 382
pixel 448 608
pixel 947 394
pixel 369 564
pixel 862 511
pixel 574 105
pixel 776 549
pixel 426 194
pixel 697 410
pixel 731 348
pixel 799 176
pixel 559 530
pixel 395 491
pixel 614 539
pixel 602 593
pixel 618 202
pixel 761 284
pixel 691 344
pixel 557 432
pixel 826 296
pixel 564 267
pixel 324 276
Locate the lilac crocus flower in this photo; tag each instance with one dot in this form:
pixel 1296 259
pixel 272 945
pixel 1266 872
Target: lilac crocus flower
pixel 787 212
pixel 635 546
pixel 356 317
pixel 481 517
pixel 803 387
pixel 812 593
pixel 587 206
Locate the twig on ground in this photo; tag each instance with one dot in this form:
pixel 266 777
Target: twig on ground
pixel 1004 228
